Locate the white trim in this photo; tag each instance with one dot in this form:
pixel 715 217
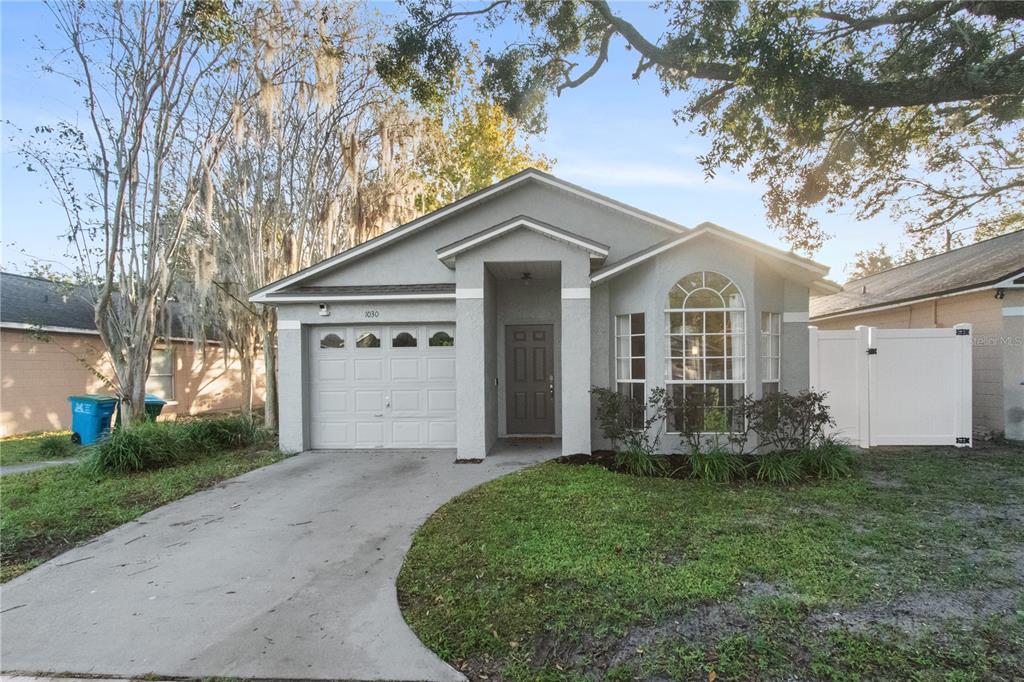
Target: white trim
pixel 570 292
pixel 90 332
pixel 401 231
pixel 469 293
pixel 357 297
pixel 1014 311
pixel 289 325
pixel 491 233
pixel 795 317
pixel 717 231
pixel 901 304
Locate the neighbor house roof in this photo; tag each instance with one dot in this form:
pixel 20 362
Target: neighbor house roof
pixel 989 263
pixel 35 303
pixel 528 175
pixel 816 270
pixel 446 254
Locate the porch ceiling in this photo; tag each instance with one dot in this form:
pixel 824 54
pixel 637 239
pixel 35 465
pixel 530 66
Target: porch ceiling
pixel 515 269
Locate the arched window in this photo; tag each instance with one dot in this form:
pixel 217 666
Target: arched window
pixel 706 363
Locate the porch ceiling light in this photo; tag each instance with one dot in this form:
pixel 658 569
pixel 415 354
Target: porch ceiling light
pixel 526 278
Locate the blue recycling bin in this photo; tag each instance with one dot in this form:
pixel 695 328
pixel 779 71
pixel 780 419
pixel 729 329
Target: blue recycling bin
pixel 154 406
pixel 90 417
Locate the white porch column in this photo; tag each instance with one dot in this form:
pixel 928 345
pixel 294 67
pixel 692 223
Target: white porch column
pixel 470 355
pixel 1013 364
pixel 795 340
pixel 575 359
pixel 291 372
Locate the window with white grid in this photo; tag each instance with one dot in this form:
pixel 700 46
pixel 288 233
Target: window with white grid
pixel 706 359
pixel 771 352
pixel 630 356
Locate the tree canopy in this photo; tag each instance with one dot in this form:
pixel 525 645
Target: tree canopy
pixel 908 107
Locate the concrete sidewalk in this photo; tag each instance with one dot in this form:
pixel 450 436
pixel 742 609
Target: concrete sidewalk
pixel 32 466
pixel 286 572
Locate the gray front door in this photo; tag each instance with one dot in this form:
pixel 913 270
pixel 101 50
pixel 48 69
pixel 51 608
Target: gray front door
pixel 530 377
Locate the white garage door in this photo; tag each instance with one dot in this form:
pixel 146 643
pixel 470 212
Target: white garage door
pixel 387 386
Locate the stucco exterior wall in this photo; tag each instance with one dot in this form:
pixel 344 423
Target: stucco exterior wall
pixel 995 344
pixel 38 376
pixel 415 261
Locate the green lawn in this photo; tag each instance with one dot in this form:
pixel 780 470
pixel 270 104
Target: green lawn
pixel 26 447
pixel 46 512
pixel 913 569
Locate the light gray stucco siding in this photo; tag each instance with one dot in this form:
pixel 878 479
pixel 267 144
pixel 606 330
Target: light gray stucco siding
pixel 291 386
pixel 414 259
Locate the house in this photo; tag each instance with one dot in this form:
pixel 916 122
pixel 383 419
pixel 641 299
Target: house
pixel 494 316
pixel 50 349
pixel 982 284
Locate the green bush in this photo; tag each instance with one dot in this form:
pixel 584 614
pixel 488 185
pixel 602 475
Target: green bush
pixel 717 465
pixel 830 459
pixel 639 462
pixel 150 445
pixel 54 447
pixel 779 467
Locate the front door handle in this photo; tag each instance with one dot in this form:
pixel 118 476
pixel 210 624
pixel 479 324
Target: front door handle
pixel 551 384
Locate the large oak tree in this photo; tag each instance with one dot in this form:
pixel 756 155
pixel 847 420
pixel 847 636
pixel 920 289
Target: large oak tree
pixel 911 107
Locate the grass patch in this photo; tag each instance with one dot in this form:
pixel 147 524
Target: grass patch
pixel 46 512
pixel 569 572
pixel 37 447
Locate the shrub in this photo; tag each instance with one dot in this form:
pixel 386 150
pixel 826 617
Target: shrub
pixel 633 427
pixel 150 445
pixel 54 447
pixel 639 462
pixel 829 459
pixel 717 465
pixel 779 467
pixel 784 422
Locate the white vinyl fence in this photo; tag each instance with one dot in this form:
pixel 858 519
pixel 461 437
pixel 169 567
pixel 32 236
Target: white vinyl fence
pixel 896 386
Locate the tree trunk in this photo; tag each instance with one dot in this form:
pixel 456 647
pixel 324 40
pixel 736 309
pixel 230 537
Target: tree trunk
pixel 247 361
pixel 270 364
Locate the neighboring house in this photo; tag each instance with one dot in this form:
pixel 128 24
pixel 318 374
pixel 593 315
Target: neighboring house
pixel 494 317
pixel 50 349
pixel 982 284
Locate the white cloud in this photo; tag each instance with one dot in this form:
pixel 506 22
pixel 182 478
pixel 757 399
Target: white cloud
pixel 608 174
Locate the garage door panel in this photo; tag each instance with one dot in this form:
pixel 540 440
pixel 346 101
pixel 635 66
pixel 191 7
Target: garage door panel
pixel 407 433
pixel 332 370
pixel 441 369
pixel 440 400
pixel 398 394
pixel 441 433
pixel 405 369
pixel 333 401
pixel 405 400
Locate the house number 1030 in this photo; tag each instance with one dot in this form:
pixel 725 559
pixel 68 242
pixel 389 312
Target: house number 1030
pixel 372 313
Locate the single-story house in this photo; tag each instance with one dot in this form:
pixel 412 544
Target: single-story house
pixel 50 349
pixel 982 284
pixel 494 316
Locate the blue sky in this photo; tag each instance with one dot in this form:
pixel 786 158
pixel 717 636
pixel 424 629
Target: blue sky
pixel 614 135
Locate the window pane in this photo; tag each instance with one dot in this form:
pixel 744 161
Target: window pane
pixel 714 323
pixel 160 386
pixel 622 325
pixel 737 323
pixel 442 339
pixel 693 346
pixel 637 346
pixel 714 345
pixel 637 323
pixel 774 347
pixel 715 368
pixel 769 388
pixel 160 361
pixel 713 280
pixel 366 339
pixel 638 369
pixel 676 298
pixel 766 322
pixel 676 347
pixel 622 347
pixel 704 298
pixel 622 369
pixel 737 368
pixel 403 340
pixel 776 323
pixel 694 323
pixel 675 323
pixel 732 297
pixel 695 280
pixel 332 341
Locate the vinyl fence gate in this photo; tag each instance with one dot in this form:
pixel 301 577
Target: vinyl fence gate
pixel 895 386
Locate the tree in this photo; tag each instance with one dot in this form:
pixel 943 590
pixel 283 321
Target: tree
pixel 872 261
pixel 911 107
pixel 130 179
pixel 470 142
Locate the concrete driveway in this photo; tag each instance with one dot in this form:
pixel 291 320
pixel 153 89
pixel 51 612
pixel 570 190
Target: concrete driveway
pixel 286 572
